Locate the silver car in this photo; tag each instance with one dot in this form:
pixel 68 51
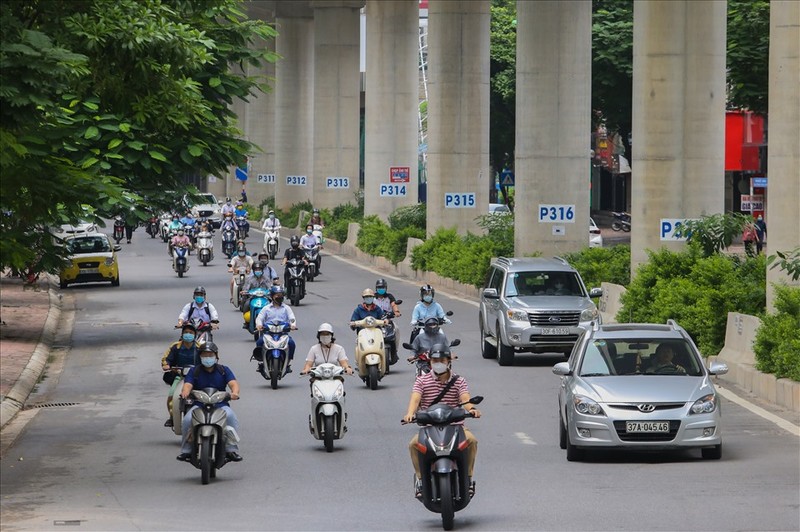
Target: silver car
pixel 639 387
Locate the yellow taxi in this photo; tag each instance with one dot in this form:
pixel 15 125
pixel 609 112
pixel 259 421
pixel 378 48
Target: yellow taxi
pixel 92 259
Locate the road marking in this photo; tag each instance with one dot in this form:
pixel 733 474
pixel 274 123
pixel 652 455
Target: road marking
pixel 782 423
pixel 524 438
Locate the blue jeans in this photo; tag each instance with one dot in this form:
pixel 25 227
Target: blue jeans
pixel 186 428
pixel 260 343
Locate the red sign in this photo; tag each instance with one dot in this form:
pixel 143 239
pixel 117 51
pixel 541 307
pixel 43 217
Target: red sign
pixel 399 174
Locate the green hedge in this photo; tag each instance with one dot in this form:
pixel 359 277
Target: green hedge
pixel 377 238
pixel 777 344
pixel 697 292
pixel 598 265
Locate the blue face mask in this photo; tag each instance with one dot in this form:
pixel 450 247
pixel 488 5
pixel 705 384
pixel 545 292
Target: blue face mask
pixel 258 273
pixel 241 253
pixel 381 291
pixel 368 300
pixel 309 231
pixel 427 299
pixel 208 361
pixel 188 337
pixel 199 299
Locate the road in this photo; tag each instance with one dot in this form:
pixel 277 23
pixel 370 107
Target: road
pixel 107 463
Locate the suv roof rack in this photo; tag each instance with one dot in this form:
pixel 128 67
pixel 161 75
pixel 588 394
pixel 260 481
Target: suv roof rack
pixel 672 323
pixel 562 260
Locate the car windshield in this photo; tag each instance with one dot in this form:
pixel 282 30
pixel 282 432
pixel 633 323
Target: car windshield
pixel 543 284
pixel 89 244
pixel 205 199
pixel 664 356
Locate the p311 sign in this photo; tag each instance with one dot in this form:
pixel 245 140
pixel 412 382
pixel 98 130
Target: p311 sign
pixel 459 200
pixel 268 179
pixel 551 214
pixel 337 182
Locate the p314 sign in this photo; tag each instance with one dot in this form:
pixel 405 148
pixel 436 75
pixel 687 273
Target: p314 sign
pixel 459 200
pixel 337 182
pixel 551 214
pixel 392 190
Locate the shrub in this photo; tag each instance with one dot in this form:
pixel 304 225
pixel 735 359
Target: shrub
pixel 377 238
pixel 777 343
pixel 409 216
pixel 598 265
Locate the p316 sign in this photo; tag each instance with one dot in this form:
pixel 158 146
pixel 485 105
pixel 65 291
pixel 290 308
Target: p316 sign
pixel 551 214
pixel 459 200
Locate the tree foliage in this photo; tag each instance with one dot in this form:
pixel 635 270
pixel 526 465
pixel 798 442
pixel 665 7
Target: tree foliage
pixel 612 62
pixel 714 233
pixel 503 72
pixel 109 104
pixel 748 54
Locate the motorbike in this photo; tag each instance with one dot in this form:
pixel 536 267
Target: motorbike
pixel 446 488
pixel 370 351
pixel 259 298
pixel 152 226
pixel 317 232
pixel 228 242
pixel 296 286
pixel 390 334
pixel 421 360
pixel 622 221
pixel 119 229
pixel 421 325
pixel 203 328
pixel 179 260
pixel 312 255
pixel 328 418
pixel 241 228
pixel 272 242
pixel 210 431
pixel 205 248
pixel 238 282
pixel 274 356
pixel 191 232
pixel 163 227
pixel 179 405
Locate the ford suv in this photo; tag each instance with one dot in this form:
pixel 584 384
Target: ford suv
pixel 534 305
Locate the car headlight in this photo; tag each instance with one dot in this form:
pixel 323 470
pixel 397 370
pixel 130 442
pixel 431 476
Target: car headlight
pixel 584 405
pixel 705 405
pixel 517 315
pixel 110 261
pixel 589 314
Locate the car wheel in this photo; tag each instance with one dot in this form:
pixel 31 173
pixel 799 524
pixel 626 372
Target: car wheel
pixel 115 282
pixel 62 283
pixel 712 453
pixel 562 434
pixel 505 353
pixel 487 349
pixel 573 453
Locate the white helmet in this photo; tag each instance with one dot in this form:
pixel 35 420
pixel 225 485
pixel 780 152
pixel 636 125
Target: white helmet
pixel 325 327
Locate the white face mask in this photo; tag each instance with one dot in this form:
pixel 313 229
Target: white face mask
pixel 439 367
pixel 325 339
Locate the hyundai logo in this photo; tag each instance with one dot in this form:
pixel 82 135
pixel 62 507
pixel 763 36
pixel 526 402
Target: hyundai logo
pixel 554 319
pixel 646 408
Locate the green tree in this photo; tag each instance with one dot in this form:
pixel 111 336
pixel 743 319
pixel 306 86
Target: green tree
pixel 612 63
pixel 748 54
pixel 503 72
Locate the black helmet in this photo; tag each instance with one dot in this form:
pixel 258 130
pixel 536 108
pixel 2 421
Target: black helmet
pixel 258 265
pixel 294 241
pixel 426 288
pixel 200 290
pixel 209 347
pixel 315 211
pixel 188 325
pixel 440 351
pixel 432 325
pixel 381 283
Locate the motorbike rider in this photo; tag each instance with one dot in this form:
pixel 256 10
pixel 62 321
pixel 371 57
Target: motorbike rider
pixel 271 223
pixel 199 308
pixel 430 335
pixel 210 374
pixel 227 222
pixel 180 240
pixel 292 252
pixel 309 241
pixel 365 309
pixel 175 224
pixel 240 260
pixel 427 307
pixel 276 311
pixel 178 355
pixel 188 222
pixel 227 208
pixel 384 299
pixel 256 280
pixel 326 350
pixel 316 219
pixel 269 272
pixel 130 225
pixel 241 212
pixel 427 389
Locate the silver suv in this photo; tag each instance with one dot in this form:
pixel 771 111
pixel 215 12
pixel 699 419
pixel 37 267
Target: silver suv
pixel 533 305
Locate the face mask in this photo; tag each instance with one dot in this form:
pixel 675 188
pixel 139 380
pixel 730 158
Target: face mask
pixel 199 299
pixel 208 361
pixel 188 337
pixel 431 330
pixel 368 300
pixel 277 300
pixel 325 338
pixel 427 299
pixel 439 368
pixel 241 253
pixel 381 291
pixel 271 216
pixel 258 274
pixel 309 231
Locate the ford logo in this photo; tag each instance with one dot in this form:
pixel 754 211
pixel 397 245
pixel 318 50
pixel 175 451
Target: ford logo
pixel 554 319
pixel 646 408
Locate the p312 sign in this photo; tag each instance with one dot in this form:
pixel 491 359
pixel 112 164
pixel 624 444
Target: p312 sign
pixel 296 180
pixel 551 214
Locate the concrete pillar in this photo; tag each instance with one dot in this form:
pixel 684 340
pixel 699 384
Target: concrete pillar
pixel 261 114
pixel 552 165
pixel 294 104
pixel 392 100
pixel 678 116
pixel 783 192
pixel 337 101
pixel 458 113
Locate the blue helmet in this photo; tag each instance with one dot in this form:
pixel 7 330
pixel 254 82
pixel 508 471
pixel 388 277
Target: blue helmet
pixel 277 289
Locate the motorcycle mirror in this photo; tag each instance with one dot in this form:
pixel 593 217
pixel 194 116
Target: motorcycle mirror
pixel 478 399
pixel 406 345
pixel 398 301
pixel 455 342
pixel 448 313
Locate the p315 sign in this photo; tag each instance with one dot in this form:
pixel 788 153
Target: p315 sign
pixel 551 214
pixel 459 200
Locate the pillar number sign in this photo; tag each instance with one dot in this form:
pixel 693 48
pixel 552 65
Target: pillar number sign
pixel 337 182
pixel 550 214
pixel 392 190
pixel 459 200
pixel 296 180
pixel 268 179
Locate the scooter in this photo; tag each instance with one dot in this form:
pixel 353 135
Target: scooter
pixel 152 227
pixel 390 335
pixel 238 283
pixel 272 242
pixel 370 351
pixel 296 286
pixel 241 228
pixel 119 229
pixel 179 405
pixel 259 298
pixel 328 418
pixel 228 242
pixel 312 255
pixel 179 262
pixel 622 221
pixel 446 488
pixel 163 227
pixel 210 431
pixel 274 356
pixel 205 248
pixel 317 232
pixel 421 360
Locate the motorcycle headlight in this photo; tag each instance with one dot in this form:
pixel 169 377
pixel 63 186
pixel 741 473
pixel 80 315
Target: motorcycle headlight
pixel 589 314
pixel 517 315
pixel 584 405
pixel 338 393
pixel 317 393
pixel 705 405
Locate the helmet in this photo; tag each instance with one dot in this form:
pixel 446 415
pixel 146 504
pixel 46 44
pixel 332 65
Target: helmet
pixel 368 293
pixel 432 325
pixel 241 245
pixel 188 325
pixel 271 212
pixel 200 290
pixel 227 199
pixel 325 327
pixel 426 288
pixel 380 283
pixel 315 211
pixel 263 256
pixel 295 241
pixel 440 351
pixel 277 290
pixel 258 265
pixel 209 347
pixel 180 232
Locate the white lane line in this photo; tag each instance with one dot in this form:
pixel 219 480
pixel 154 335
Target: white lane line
pixel 524 438
pixel 769 416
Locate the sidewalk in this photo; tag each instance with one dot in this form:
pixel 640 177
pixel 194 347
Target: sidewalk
pixel 29 320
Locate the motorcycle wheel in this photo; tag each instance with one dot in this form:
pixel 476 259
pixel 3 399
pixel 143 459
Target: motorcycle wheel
pixel 205 460
pixel 180 273
pixel 372 377
pixel 295 301
pixel 327 426
pixel 274 372
pixel 272 255
pixel 626 228
pixel 446 502
pixel 616 226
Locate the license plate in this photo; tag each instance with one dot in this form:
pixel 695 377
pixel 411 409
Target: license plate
pixel 647 426
pixel 555 331
pixel 90 270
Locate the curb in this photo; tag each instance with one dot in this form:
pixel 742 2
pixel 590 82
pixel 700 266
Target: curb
pixel 14 401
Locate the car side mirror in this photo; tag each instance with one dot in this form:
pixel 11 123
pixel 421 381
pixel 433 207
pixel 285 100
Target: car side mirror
pixel 562 368
pixel 596 292
pixel 718 368
pixel 398 301
pixel 490 293
pixel 117 247
pixel 455 342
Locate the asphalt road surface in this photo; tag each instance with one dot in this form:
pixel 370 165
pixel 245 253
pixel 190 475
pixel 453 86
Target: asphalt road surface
pixel 107 463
